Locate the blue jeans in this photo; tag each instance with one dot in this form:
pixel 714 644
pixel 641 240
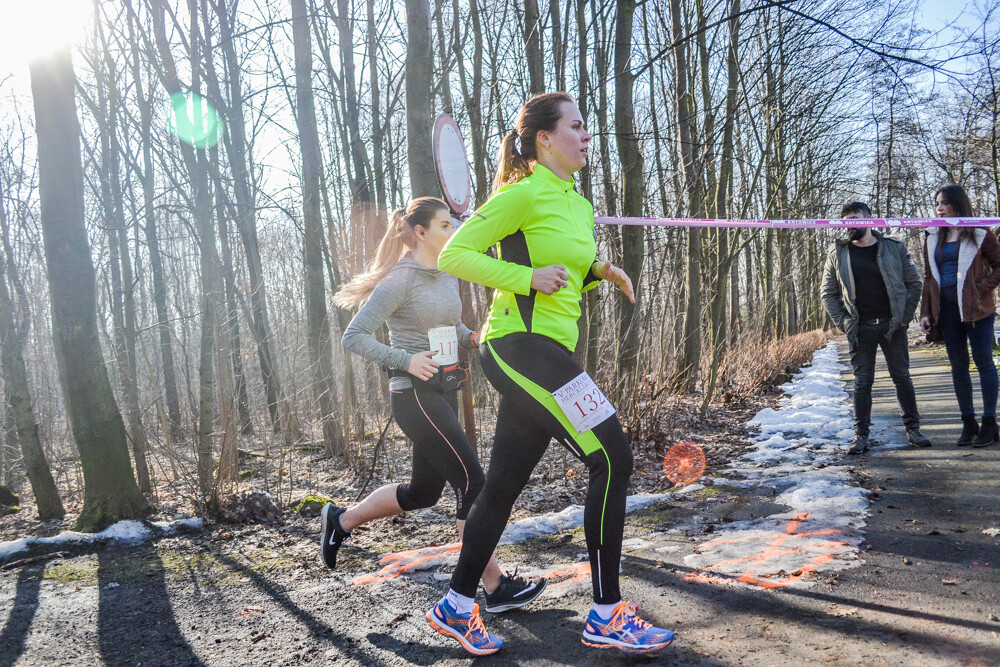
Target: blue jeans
pixel 958 337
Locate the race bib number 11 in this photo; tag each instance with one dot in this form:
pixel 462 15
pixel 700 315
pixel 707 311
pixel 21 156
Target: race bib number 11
pixel 444 341
pixel 583 403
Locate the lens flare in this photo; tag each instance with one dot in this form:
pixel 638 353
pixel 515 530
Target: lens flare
pixel 193 120
pixel 684 463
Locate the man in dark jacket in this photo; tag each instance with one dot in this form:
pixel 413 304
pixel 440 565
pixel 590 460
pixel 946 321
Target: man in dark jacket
pixel 871 289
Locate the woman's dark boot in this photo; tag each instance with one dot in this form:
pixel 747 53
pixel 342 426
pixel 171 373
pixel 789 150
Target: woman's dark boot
pixel 989 433
pixel 969 431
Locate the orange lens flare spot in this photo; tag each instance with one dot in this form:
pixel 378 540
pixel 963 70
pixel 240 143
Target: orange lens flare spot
pixel 684 463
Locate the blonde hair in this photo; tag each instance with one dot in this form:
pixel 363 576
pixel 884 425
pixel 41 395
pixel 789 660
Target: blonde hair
pixel 399 237
pixel 540 113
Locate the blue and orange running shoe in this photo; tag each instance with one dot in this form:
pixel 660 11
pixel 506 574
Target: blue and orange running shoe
pixel 625 631
pixel 468 629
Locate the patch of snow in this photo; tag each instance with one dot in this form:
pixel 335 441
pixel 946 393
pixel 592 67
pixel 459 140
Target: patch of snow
pixel 992 532
pixel 125 532
pixel 794 455
pixel 8 549
pixel 569 518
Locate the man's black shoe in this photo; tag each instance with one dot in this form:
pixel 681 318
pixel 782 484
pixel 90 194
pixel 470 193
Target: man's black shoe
pixel 860 445
pixel 333 534
pixel 970 429
pixel 513 592
pixel 916 438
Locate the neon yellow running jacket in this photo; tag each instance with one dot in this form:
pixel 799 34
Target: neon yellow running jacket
pixel 537 221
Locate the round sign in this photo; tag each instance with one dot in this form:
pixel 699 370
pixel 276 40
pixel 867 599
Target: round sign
pixel 684 463
pixel 452 164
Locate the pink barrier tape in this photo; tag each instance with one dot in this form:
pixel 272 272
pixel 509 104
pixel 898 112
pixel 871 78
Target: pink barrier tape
pixel 804 224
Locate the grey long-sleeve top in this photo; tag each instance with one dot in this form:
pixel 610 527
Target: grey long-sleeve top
pixel 411 299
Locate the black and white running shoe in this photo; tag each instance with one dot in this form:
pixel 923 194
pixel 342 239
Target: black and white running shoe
pixel 513 593
pixel 333 534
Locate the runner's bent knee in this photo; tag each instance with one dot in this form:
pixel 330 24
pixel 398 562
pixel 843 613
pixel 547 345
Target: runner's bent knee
pixel 413 496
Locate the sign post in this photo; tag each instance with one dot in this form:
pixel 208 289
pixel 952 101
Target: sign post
pixel 455 177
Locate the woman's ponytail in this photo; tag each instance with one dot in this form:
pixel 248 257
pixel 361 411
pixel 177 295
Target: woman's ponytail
pixel 399 237
pixel 541 113
pixel 512 165
pixel 390 249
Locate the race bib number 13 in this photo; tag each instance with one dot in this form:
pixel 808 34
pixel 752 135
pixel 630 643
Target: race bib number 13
pixel 444 341
pixel 583 403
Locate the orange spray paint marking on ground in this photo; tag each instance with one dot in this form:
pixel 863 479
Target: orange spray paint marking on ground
pixel 775 546
pixel 405 562
pixel 566 577
pixel 684 463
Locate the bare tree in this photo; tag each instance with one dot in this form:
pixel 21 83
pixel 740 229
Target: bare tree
pixel 316 312
pixel 111 491
pixel 633 188
pixel 419 118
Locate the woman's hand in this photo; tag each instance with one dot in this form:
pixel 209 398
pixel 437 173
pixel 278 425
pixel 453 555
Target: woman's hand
pixel 422 366
pixel 605 270
pixel 925 324
pixel 549 279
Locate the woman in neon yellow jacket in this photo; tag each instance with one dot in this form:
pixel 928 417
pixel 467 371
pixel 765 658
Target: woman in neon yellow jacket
pixel 543 231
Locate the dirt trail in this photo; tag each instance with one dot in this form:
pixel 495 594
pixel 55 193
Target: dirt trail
pixel 925 589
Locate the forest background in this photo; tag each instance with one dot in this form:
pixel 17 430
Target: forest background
pixel 202 332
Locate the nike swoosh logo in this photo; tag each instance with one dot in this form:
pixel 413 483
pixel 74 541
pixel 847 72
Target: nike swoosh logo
pixel 526 590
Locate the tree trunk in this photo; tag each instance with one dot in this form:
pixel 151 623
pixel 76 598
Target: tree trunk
pixel 419 85
pixel 691 350
pixel 558 45
pixel 473 94
pixel 110 491
pixel 630 155
pixel 246 223
pixel 377 150
pixel 447 102
pixel 316 312
pixel 208 283
pixel 719 319
pixel 19 398
pixel 123 299
pixel 232 326
pixel 533 47
pixel 162 325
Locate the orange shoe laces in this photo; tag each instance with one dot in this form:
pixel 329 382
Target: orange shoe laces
pixel 476 622
pixel 622 612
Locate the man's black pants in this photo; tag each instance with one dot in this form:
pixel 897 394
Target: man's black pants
pixel 897 357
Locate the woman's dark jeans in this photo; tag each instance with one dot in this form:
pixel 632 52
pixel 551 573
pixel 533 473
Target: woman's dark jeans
pixel 958 337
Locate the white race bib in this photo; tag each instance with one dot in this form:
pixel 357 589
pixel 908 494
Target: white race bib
pixel 444 341
pixel 583 403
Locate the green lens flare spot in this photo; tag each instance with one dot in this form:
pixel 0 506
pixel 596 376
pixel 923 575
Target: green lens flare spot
pixel 193 120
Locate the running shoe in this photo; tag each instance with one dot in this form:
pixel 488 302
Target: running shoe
pixel 513 593
pixel 333 534
pixel 625 631
pixel 468 629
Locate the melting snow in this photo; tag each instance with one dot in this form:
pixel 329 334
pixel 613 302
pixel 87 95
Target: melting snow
pixel 794 456
pixel 571 517
pixel 125 532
